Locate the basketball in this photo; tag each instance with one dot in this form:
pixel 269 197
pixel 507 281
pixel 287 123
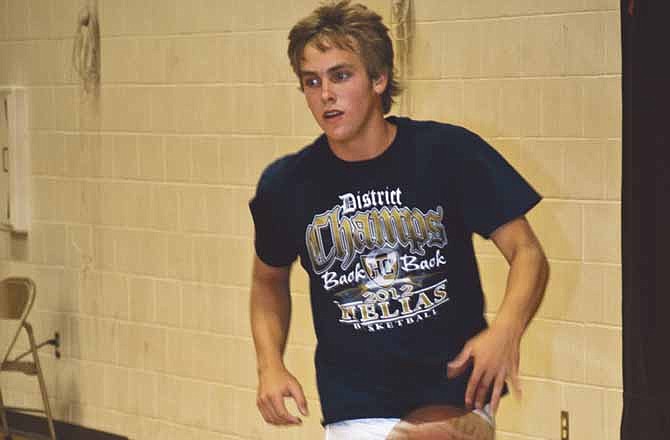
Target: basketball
pixel 442 422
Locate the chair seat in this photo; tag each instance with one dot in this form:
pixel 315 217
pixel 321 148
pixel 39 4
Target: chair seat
pixel 17 296
pixel 25 367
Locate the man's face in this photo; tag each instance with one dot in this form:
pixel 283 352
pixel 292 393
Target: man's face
pixel 339 92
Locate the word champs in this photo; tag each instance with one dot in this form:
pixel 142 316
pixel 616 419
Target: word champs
pixel 333 236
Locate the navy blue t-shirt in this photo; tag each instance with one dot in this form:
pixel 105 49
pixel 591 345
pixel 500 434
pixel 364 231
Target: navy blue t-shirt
pixel 387 244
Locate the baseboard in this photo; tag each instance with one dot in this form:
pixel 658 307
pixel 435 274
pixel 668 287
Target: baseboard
pixel 64 431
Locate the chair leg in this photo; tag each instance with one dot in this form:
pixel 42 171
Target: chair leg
pixel 3 416
pixel 40 378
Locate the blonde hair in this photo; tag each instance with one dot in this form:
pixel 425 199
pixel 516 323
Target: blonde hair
pixel 349 27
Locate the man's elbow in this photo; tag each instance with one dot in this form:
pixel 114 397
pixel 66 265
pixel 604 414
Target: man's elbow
pixel 534 256
pixel 544 268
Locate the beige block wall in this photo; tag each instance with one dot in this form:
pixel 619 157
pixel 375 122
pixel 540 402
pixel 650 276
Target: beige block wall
pixel 141 241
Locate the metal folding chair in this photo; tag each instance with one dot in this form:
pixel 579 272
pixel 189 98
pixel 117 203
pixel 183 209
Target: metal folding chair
pixel 17 295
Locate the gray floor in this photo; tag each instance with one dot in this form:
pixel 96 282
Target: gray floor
pixel 28 437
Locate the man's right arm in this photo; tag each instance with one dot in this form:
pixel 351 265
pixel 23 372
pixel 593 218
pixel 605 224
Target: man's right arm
pixel 270 309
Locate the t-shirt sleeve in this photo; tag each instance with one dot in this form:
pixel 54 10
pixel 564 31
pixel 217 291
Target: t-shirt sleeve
pixel 494 193
pixel 269 210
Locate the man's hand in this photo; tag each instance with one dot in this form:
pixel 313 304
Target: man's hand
pixel 273 386
pixel 270 309
pixel 494 354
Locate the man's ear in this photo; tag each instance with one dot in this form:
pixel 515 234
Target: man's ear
pixel 379 84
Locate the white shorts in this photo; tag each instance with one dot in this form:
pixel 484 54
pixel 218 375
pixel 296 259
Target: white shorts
pixel 379 429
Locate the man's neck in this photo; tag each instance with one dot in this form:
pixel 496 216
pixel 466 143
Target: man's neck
pixel 370 143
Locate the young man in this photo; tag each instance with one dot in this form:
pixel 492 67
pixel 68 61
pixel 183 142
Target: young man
pixel 381 212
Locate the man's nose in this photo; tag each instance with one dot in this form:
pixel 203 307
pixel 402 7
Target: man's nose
pixel 327 93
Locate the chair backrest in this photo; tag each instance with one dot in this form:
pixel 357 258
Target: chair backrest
pixel 17 295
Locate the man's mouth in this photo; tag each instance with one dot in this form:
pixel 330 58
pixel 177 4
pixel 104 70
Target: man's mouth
pixel 332 114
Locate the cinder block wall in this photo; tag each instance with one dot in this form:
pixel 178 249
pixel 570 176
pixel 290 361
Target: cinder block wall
pixel 141 242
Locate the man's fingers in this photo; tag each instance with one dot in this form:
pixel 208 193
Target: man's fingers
pixel 460 363
pixel 483 389
pixel 473 384
pixel 265 407
pixel 299 396
pixel 497 391
pixel 514 374
pixel 279 407
pixel 261 409
pixel 515 383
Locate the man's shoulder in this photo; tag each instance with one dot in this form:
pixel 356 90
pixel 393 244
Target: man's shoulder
pixel 289 167
pixel 429 125
pixel 430 133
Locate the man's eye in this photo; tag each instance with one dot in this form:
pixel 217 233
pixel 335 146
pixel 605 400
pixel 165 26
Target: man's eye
pixel 342 75
pixel 311 82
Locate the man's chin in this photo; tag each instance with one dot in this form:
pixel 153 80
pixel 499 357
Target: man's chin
pixel 337 135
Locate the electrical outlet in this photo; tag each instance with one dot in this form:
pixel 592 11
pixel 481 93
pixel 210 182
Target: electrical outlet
pixel 565 426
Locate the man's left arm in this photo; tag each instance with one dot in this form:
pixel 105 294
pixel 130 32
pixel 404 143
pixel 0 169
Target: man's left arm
pixel 494 352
